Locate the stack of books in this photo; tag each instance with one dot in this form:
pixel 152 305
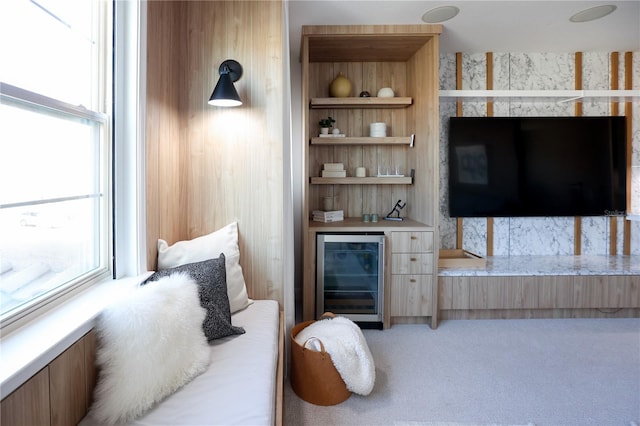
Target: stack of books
pixel 334 170
pixel 328 216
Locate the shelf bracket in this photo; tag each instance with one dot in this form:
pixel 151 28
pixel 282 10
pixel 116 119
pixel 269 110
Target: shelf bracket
pixel 573 98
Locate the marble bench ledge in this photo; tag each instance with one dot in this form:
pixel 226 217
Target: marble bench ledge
pixel 551 265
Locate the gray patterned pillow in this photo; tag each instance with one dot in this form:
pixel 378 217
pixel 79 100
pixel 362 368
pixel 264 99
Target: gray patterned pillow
pixel 211 277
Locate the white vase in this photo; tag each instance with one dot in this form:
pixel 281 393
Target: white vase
pixel 324 130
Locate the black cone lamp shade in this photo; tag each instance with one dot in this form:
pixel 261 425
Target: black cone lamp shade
pixel 225 94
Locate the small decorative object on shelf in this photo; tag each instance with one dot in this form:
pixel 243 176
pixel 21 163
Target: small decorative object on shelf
pixel 325 125
pixel 365 94
pixel 334 170
pixel 328 216
pixel 378 130
pixel 340 87
pixel 386 92
pixel 396 209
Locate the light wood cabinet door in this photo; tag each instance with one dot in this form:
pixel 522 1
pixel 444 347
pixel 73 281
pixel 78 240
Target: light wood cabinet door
pixel 60 394
pixel 412 242
pixel 411 263
pixel 68 377
pixel 29 404
pixel 411 295
pixel 411 273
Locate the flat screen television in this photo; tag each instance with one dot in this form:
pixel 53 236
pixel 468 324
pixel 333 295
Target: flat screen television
pixel 537 166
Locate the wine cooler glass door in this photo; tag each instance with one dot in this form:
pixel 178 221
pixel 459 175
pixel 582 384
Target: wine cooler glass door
pixel 350 276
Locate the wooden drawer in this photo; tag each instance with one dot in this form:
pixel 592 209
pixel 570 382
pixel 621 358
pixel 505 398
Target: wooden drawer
pixel 411 295
pixel 411 263
pixel 412 242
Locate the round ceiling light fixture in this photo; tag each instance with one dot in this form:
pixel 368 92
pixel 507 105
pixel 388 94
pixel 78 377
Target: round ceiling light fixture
pixel 592 13
pixel 440 14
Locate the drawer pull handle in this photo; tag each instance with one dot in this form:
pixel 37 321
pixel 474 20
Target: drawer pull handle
pixel 413 237
pixel 412 280
pixel 413 259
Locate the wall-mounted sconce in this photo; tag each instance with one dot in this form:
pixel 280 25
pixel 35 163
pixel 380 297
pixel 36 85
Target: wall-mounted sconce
pixel 225 94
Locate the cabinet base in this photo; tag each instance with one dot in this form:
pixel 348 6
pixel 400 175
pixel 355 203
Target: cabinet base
pixel 367 325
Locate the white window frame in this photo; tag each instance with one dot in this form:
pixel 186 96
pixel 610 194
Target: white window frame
pixel 26 349
pixel 126 212
pixel 11 94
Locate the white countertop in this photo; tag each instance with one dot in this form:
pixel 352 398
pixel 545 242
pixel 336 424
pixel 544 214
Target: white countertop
pixel 551 265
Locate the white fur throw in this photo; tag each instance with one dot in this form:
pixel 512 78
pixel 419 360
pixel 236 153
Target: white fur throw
pixel 150 344
pixel 344 341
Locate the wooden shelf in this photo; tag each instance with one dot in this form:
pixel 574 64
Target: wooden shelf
pixel 362 140
pixel 407 180
pixel 542 95
pixel 368 43
pixel 370 102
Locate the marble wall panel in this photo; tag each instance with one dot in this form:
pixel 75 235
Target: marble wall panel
pixel 501 236
pixel 635 237
pixel 635 157
pixel 552 236
pixel 474 235
pixel 447 225
pixel 635 190
pixel 536 71
pixel 595 235
pixel 541 71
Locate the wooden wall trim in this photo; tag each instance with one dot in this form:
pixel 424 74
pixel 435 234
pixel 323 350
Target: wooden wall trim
pixel 628 112
pixel 459 221
pixel 577 221
pixel 489 62
pixel 613 221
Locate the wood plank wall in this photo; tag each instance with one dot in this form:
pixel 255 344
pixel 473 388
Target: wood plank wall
pixel 208 166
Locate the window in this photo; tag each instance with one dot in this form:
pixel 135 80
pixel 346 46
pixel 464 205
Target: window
pixel 55 150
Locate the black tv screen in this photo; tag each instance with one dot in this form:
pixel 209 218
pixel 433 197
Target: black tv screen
pixel 537 166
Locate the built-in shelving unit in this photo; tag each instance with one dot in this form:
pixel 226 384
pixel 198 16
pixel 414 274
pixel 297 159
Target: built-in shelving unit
pixel 405 59
pixel 542 95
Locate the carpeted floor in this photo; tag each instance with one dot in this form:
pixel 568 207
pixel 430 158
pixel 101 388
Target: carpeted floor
pixel 494 372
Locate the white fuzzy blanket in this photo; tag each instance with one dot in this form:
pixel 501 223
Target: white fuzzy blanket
pixel 344 341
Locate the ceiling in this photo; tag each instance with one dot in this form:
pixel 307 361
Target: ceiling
pixel 486 26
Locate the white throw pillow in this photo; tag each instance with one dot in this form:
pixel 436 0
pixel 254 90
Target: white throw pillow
pixel 150 344
pixel 224 240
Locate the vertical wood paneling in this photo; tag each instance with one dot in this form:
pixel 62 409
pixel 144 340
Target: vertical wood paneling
pixel 577 221
pixel 164 209
pixel 489 61
pixel 67 385
pixel 29 404
pixel 60 394
pixel 210 166
pixel 551 296
pixel 90 349
pixel 459 221
pixel 613 221
pixel 628 112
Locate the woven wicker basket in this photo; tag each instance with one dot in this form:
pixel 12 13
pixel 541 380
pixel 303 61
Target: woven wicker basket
pixel 314 378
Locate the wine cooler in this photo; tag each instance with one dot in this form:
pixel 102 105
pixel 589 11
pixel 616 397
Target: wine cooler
pixel 350 276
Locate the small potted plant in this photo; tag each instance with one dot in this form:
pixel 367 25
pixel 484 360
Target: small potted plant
pixel 326 124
